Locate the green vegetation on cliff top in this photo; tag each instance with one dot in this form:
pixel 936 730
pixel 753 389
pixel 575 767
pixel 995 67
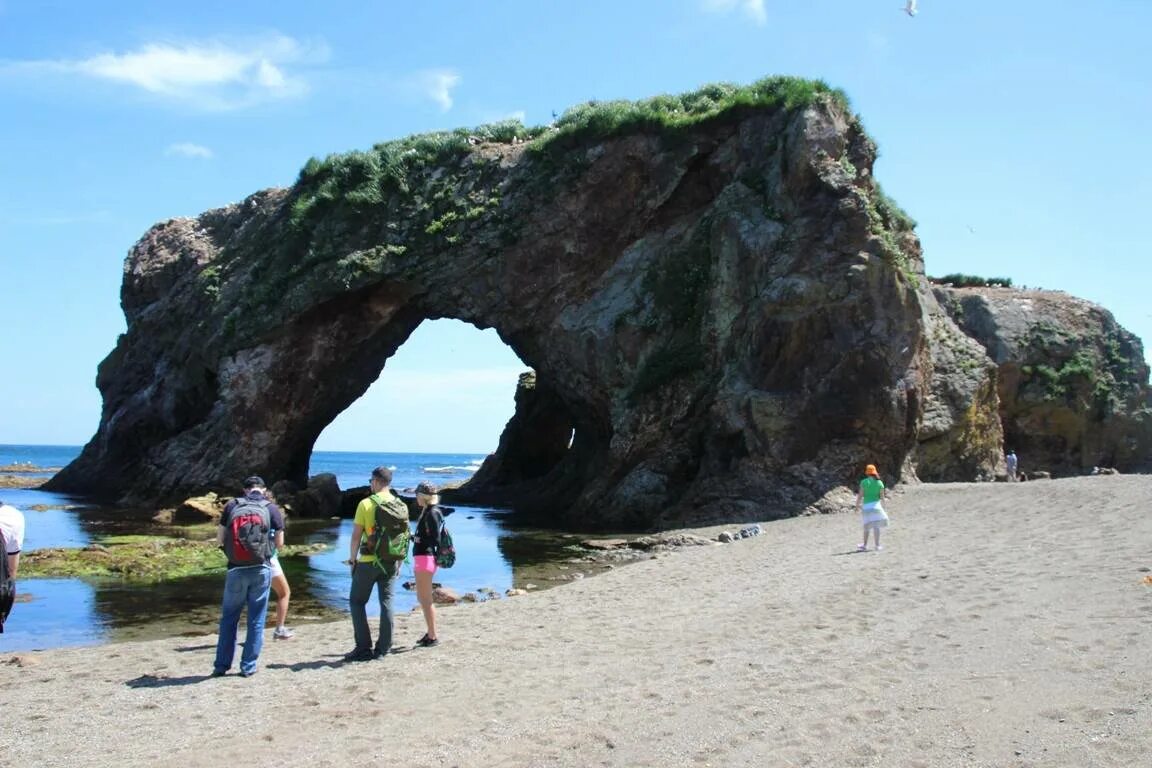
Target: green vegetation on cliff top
pixel 362 179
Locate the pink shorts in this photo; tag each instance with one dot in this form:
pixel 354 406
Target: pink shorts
pixel 424 563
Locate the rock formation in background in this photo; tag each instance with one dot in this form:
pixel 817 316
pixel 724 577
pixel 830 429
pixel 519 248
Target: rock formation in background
pixel 1072 384
pixel 725 316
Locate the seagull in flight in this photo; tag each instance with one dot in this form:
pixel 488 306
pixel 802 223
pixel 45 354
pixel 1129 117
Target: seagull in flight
pixel 910 8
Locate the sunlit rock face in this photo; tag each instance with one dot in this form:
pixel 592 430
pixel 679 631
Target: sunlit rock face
pixel 1072 384
pixel 725 321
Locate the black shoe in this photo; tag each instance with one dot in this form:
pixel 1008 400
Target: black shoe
pixel 427 642
pixel 247 674
pixel 360 654
pixel 219 672
pixel 380 653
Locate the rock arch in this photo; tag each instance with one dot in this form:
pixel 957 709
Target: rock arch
pixel 728 312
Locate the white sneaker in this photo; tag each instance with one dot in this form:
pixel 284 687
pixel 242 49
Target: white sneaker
pixel 282 633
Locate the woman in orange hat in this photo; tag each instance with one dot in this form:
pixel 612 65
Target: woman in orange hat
pixel 868 503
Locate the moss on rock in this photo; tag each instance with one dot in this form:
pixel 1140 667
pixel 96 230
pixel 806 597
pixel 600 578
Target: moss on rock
pixel 136 558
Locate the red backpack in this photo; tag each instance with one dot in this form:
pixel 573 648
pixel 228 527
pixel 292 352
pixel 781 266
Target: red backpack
pixel 248 534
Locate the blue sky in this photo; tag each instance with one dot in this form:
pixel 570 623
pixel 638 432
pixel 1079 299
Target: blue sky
pixel 1018 135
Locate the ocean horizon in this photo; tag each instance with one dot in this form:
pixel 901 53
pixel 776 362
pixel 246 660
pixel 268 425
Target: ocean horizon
pixel 351 468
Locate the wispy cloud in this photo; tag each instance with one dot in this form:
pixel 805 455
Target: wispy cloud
pixel 437 84
pixel 753 9
pixel 210 75
pixel 188 149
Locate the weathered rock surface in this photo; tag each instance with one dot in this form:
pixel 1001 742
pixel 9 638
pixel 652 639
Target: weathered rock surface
pixel 1072 384
pixel 725 322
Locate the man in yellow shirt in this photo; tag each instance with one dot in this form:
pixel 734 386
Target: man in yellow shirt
pixel 368 573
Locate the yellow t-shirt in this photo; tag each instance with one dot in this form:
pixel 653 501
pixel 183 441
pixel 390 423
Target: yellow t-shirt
pixel 366 519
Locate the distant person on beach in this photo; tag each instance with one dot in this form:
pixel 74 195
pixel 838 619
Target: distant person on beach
pixel 424 544
pixel 369 571
pixel 251 530
pixel 12 533
pixel 868 503
pixel 1010 460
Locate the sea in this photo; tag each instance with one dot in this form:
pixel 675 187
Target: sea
pixel 492 557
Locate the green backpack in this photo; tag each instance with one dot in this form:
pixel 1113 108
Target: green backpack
pixel 391 535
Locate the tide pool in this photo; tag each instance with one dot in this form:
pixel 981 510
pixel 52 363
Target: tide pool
pixel 52 613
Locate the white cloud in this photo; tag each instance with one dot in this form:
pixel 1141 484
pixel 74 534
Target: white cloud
pixel 209 75
pixel 753 9
pixel 188 149
pixel 437 84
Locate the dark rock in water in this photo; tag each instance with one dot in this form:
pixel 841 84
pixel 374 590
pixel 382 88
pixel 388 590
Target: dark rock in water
pixel 322 498
pixel 199 509
pixel 726 319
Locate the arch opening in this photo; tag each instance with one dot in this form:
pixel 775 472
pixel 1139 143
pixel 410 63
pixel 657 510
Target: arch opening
pixel 452 390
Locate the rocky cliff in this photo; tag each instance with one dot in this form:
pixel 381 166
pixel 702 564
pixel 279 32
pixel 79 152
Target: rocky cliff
pixel 725 316
pixel 1072 384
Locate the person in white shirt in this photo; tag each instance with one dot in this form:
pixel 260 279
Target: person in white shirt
pixel 12 529
pixel 12 523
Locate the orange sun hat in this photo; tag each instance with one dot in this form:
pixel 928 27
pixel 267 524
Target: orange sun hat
pixel 871 470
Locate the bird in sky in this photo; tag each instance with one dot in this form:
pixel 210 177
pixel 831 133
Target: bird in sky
pixel 910 8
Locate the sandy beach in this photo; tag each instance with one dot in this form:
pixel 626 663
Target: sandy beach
pixel 1002 625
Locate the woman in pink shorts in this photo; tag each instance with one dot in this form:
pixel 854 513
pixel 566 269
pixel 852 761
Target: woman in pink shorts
pixel 424 543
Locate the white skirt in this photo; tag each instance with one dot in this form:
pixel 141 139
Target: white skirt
pixel 874 515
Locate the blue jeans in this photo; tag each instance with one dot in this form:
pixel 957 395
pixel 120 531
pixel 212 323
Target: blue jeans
pixel 243 587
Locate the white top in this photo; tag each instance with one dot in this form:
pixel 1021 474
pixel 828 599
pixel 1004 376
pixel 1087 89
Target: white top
pixel 12 521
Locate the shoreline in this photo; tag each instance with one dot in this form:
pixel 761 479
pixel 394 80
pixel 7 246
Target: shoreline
pixel 1004 624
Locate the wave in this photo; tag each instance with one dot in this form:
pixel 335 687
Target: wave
pixel 449 470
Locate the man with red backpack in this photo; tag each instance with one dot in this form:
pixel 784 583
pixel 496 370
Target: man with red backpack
pixel 249 527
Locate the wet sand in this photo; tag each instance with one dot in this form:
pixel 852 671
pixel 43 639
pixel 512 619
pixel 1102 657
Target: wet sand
pixel 1002 625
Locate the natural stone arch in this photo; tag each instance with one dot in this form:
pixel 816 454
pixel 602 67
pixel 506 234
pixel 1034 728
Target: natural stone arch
pixel 727 310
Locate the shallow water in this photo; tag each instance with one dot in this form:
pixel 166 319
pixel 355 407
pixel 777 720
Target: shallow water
pixel 63 612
